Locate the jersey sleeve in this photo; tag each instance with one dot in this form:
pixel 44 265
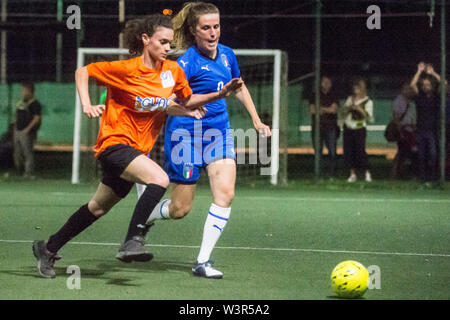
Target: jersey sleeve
pixel 369 110
pixel 235 71
pixel 185 65
pixel 181 89
pixel 108 73
pixel 35 108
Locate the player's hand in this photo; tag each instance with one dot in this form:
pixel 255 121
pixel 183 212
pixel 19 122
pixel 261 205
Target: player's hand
pixel 263 129
pixel 94 111
pixel 429 69
pixel 230 87
pixel 421 67
pixel 196 113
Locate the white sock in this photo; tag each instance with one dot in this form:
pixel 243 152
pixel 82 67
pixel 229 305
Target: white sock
pixel 161 211
pixel 214 225
pixel 140 189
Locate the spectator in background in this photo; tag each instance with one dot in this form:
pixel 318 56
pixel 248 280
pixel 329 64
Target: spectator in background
pixel 404 115
pixel 356 112
pixel 427 110
pixel 28 122
pixel 329 129
pixel 6 148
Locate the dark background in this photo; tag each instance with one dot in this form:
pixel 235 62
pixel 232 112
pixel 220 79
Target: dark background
pixel 387 56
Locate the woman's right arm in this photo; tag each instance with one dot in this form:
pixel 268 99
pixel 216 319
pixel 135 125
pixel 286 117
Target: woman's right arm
pixel 82 84
pixel 420 68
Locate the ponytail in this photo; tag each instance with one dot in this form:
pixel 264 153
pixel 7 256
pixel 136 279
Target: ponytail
pixel 185 22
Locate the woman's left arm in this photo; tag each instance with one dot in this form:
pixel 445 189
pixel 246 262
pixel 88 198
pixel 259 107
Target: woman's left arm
pixel 243 95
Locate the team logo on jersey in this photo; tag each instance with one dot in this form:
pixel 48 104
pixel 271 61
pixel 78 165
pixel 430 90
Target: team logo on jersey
pixel 224 60
pixel 184 63
pixel 167 79
pixel 151 103
pixel 188 169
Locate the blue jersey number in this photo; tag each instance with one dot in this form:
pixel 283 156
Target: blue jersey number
pixel 220 86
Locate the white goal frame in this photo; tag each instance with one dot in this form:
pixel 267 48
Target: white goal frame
pixel 275 142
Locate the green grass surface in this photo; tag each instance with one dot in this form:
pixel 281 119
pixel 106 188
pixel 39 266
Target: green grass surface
pixel 280 243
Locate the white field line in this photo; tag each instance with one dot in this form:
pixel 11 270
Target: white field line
pixel 268 198
pixel 256 249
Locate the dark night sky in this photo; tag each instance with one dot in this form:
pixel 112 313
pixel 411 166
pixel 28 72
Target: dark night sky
pixel 348 47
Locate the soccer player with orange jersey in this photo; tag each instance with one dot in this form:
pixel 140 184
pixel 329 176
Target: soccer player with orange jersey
pixel 141 92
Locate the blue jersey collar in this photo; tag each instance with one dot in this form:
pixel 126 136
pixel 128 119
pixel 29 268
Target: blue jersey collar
pixel 201 53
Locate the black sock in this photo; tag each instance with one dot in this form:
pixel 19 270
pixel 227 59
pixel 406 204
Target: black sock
pixel 79 221
pixel 144 207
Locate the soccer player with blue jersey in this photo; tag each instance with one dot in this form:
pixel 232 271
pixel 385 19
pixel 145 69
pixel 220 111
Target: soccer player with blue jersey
pixel 193 145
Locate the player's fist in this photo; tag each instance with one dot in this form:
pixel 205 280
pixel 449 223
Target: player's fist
pixel 429 69
pixel 94 111
pixel 421 67
pixel 263 129
pixel 196 113
pixel 230 87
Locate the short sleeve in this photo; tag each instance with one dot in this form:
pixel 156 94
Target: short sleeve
pixel 235 71
pixel 399 106
pixel 108 73
pixel 35 108
pixel 348 102
pixel 181 89
pixel 185 66
pixel 369 109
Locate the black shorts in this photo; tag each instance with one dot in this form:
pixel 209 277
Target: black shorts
pixel 114 160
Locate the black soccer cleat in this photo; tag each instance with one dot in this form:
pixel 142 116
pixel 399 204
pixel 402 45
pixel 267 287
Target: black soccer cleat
pixel 45 259
pixel 134 250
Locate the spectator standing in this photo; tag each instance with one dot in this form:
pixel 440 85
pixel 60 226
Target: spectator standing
pixel 28 122
pixel 356 113
pixel 403 114
pixel 329 130
pixel 427 108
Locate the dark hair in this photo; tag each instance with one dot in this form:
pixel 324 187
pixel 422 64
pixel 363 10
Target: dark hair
pixel 135 28
pixel 28 85
pixel 433 82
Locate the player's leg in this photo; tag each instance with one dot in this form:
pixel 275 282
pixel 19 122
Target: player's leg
pixel 222 177
pixel 330 140
pixel 183 174
pixel 144 171
pixel 348 153
pixel 177 206
pixel 17 150
pixel 46 252
pixel 28 152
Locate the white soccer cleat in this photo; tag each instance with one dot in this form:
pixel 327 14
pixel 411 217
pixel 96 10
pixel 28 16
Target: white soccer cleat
pixel 352 178
pixel 368 177
pixel 206 270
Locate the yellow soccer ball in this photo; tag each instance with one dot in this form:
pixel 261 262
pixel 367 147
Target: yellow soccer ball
pixel 349 279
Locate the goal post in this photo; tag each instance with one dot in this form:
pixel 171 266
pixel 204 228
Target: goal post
pixel 265 74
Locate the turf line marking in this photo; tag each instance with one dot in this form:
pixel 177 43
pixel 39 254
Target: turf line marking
pixel 268 198
pixel 255 249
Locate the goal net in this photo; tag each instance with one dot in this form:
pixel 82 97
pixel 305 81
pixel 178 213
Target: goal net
pixel 259 158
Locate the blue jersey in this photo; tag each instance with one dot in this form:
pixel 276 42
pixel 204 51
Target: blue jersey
pixel 206 75
pixel 191 144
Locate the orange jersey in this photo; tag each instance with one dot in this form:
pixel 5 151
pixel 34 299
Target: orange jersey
pixel 134 90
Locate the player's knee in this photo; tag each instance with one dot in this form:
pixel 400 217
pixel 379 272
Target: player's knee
pixel 225 198
pixel 160 180
pixel 97 209
pixel 179 210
